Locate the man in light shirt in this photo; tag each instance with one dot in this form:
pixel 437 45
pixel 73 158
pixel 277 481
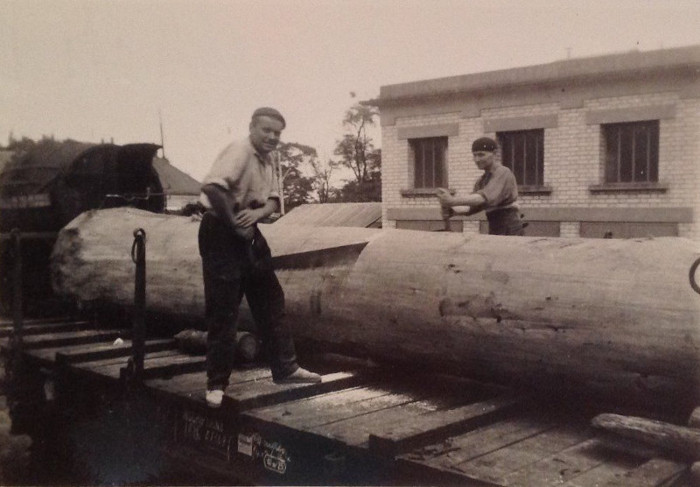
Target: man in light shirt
pixel 239 191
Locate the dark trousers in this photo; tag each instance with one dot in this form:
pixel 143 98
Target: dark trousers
pixel 231 271
pixel 505 222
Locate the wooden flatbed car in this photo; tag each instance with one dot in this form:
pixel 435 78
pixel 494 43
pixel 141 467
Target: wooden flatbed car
pixel 364 424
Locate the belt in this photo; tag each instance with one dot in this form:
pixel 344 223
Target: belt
pixel 502 208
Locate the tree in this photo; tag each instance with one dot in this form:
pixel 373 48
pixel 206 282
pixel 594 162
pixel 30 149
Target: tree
pixel 322 180
pixel 25 144
pixel 370 190
pixel 296 187
pixel 357 152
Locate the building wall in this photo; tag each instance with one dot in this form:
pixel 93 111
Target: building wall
pixel 573 161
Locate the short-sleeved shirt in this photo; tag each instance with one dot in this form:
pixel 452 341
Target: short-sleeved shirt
pixel 499 188
pixel 249 177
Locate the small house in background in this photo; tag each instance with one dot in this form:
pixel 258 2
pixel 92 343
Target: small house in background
pixel 180 188
pixel 603 146
pixel 363 215
pixel 47 185
pixel 5 156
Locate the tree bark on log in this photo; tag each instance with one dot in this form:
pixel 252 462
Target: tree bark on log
pixel 614 318
pixel 681 440
pixel 195 342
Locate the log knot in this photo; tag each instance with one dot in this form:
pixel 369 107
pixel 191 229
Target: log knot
pixel 475 306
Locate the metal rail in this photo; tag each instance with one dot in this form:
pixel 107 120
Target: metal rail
pixel 691 276
pixel 134 370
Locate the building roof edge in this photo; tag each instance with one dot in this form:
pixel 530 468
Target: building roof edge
pixel 617 65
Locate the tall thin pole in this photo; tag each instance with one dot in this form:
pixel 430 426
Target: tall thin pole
pixel 162 139
pixel 280 182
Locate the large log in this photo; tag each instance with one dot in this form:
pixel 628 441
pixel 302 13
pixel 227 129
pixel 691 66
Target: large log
pixel 614 318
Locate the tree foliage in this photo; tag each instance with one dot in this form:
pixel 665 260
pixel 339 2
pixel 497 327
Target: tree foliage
pixel 369 190
pixel 25 144
pixel 297 190
pixel 293 158
pixel 357 153
pixel 322 173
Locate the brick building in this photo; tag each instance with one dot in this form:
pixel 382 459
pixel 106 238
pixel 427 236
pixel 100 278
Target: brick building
pixel 606 144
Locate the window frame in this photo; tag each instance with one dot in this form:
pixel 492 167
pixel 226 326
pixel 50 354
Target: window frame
pixel 613 136
pixel 424 143
pixel 507 143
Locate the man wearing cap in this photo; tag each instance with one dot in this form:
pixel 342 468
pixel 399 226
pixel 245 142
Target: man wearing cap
pixel 495 192
pixel 239 191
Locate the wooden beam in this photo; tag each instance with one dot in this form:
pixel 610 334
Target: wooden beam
pixel 106 351
pixel 72 338
pixel 433 427
pixel 244 397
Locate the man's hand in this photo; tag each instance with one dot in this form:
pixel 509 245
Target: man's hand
pixel 220 202
pixel 446 212
pixel 244 221
pixel 446 199
pixel 248 217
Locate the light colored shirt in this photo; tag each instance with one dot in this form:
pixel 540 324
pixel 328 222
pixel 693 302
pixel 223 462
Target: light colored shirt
pixel 499 188
pixel 248 177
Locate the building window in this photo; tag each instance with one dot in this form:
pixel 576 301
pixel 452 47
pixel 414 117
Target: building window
pixel 523 153
pixel 631 152
pixel 429 156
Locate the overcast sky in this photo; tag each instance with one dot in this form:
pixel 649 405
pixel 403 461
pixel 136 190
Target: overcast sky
pixel 103 70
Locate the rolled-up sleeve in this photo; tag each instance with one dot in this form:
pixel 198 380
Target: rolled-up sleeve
pixel 249 178
pixel 227 168
pixel 274 183
pixel 501 188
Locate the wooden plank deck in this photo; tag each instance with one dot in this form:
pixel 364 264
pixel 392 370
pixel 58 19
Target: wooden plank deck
pixel 9 322
pixel 66 338
pixel 533 450
pixel 92 351
pixel 42 327
pixel 404 428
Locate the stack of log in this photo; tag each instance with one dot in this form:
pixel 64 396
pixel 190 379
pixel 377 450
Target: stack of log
pixel 612 319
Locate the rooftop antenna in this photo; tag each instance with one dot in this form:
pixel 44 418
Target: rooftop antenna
pixel 162 140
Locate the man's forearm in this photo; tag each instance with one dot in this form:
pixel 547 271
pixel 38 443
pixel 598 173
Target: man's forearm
pixel 474 199
pixel 220 202
pixel 271 206
pixel 469 211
